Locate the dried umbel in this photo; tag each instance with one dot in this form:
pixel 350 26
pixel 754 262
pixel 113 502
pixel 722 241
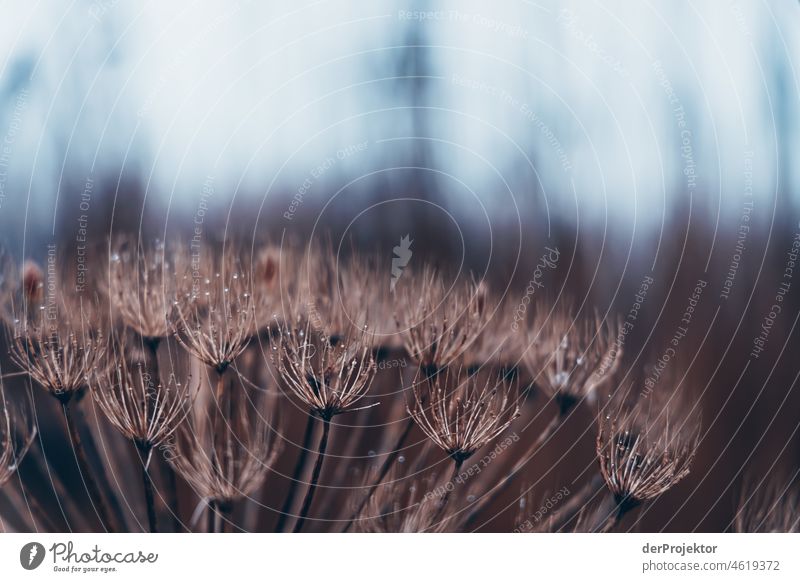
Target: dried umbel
pixel 225 448
pixel 328 375
pixel 461 412
pixel 439 324
pixel 144 409
pixel 331 298
pixel 569 356
pixel 492 342
pixel 215 317
pixel 769 506
pixel 646 449
pixel 57 354
pixel 143 287
pixel 17 434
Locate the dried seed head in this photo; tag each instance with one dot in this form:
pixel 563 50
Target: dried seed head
pixel 143 286
pixel 439 325
pixel 329 375
pixel 225 448
pixel 215 317
pixel 647 448
pixel 333 295
pixel 569 356
pixel 59 350
pixel 461 412
pixel 144 409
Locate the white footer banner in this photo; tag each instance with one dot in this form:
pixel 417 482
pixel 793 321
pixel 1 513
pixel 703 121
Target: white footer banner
pixel 372 557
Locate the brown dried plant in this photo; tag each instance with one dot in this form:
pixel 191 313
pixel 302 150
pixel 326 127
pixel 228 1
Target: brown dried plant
pixel 216 315
pixel 438 325
pixel 225 448
pixel 58 354
pixel 330 376
pixel 645 449
pixel 570 356
pixel 328 298
pixel 143 287
pixel 60 350
pixel 144 409
pixel 461 412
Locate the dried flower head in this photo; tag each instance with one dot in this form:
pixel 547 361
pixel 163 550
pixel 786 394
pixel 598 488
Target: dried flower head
pixel 17 434
pixel 331 298
pixel 769 506
pixel 439 325
pixel 143 287
pixel 225 448
pixel 328 375
pixel 642 450
pixel 461 412
pixel 58 352
pixel 144 409
pixel 569 356
pixel 215 317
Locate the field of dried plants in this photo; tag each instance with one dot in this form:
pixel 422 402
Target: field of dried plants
pixel 272 389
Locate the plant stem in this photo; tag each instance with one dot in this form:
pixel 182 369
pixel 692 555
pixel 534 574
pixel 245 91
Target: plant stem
pixel 97 499
pixel 296 475
pixel 576 503
pixel 172 494
pixel 387 464
pixel 323 444
pixel 458 462
pixel 152 344
pixel 225 510
pixel 503 485
pixel 611 512
pixel 212 516
pixel 149 496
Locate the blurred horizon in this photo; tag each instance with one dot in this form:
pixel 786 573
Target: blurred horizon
pixel 596 117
